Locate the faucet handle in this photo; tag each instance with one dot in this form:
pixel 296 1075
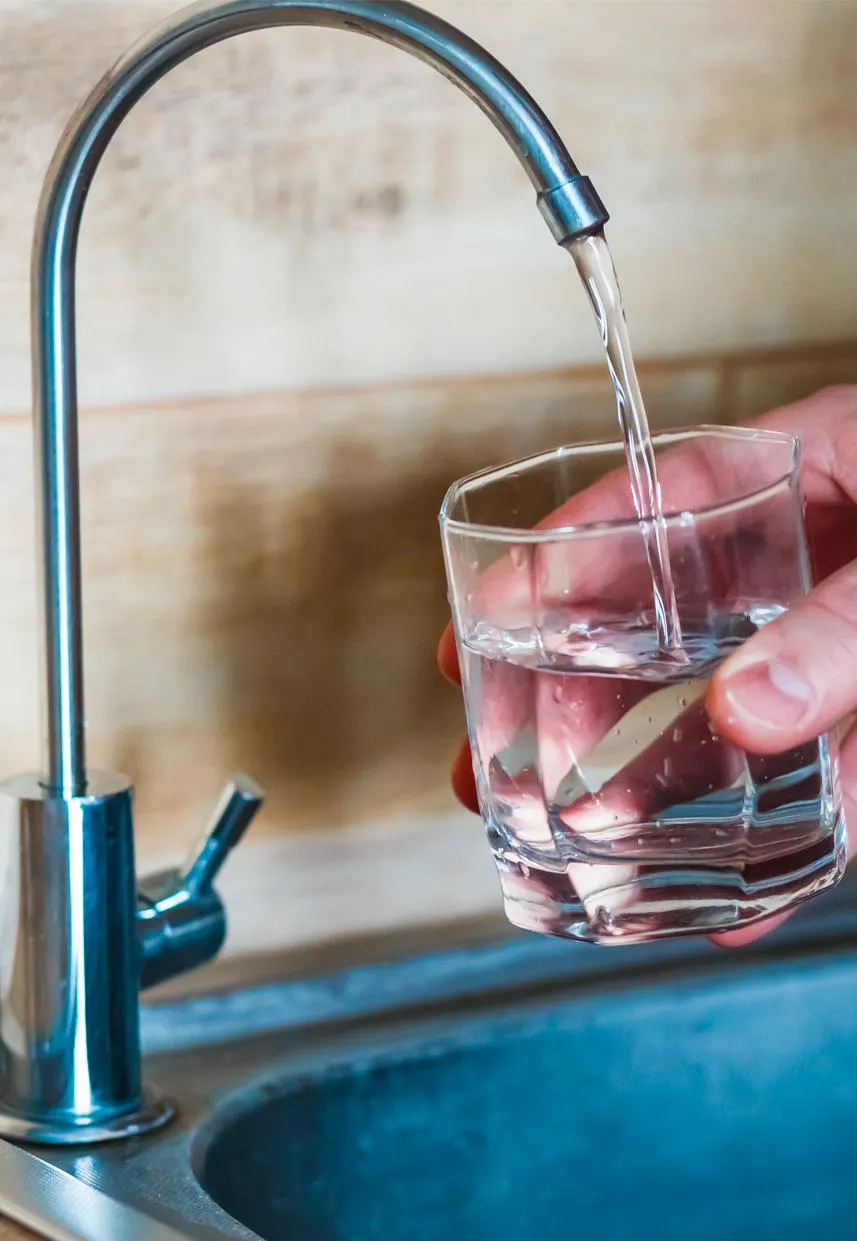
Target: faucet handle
pixel 233 814
pixel 181 922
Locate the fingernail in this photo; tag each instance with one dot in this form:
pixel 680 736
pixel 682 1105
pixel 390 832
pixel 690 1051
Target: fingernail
pixel 769 693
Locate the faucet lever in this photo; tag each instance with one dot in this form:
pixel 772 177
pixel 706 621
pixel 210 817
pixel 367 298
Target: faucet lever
pixel 233 814
pixel 181 922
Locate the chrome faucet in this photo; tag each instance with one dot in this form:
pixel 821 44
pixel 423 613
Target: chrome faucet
pixel 77 940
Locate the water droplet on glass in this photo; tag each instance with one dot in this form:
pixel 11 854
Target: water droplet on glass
pixel 682 702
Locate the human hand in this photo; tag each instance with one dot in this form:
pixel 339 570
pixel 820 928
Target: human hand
pixel 797 677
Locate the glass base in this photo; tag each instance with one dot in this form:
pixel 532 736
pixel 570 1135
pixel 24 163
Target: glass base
pixel 616 904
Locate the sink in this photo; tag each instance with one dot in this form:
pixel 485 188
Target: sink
pixel 525 1090
pixel 724 1108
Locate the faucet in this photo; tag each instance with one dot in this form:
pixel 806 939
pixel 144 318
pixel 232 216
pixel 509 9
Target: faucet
pixel 78 937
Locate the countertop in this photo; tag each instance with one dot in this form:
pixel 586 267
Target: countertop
pixel 10 1231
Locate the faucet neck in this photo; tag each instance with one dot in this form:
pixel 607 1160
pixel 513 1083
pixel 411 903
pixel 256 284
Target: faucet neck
pixel 567 200
pixel 81 940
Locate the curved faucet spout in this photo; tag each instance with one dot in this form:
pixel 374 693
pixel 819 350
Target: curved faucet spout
pixel 567 200
pixel 82 939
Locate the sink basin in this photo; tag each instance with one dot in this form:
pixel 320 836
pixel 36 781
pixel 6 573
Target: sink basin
pixel 526 1090
pixel 719 1108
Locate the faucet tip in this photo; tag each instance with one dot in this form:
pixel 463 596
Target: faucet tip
pixel 573 209
pixel 247 788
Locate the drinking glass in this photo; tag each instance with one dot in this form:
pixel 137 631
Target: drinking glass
pixel 615 810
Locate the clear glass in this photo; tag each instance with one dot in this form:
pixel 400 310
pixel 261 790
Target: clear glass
pixel 615 811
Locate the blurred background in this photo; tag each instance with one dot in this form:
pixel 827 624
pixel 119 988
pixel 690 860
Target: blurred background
pixel 314 290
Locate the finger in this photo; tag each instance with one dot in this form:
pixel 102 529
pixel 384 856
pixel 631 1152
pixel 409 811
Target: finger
pixel 748 934
pixel 577 580
pixel 694 474
pixel 574 715
pixel 597 758
pixel 826 424
pixel 533 730
pixel 500 701
pixel 447 656
pixel 568 721
pixel 682 763
pixel 603 576
pixel 797 676
pixel 463 781
pixel 832 537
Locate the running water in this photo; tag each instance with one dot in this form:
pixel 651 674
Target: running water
pixel 595 265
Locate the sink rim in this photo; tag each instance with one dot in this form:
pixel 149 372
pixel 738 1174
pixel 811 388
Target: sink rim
pixel 503 968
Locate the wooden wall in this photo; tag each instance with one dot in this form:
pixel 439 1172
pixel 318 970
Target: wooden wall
pixel 298 323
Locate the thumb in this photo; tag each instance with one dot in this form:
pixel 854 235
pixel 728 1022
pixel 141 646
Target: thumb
pixel 797 677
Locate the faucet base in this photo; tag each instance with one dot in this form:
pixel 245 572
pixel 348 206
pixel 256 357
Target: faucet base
pixel 154 1113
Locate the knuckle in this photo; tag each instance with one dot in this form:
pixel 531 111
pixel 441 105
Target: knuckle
pixel 836 613
pixel 841 396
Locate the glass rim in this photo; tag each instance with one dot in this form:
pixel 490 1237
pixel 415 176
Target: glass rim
pixel 512 534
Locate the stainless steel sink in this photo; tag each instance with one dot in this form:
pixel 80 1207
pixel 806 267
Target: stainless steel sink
pixel 671 1112
pixel 526 1091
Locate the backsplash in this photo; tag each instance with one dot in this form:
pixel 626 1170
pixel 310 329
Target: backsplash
pixel 303 207
pixel 297 326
